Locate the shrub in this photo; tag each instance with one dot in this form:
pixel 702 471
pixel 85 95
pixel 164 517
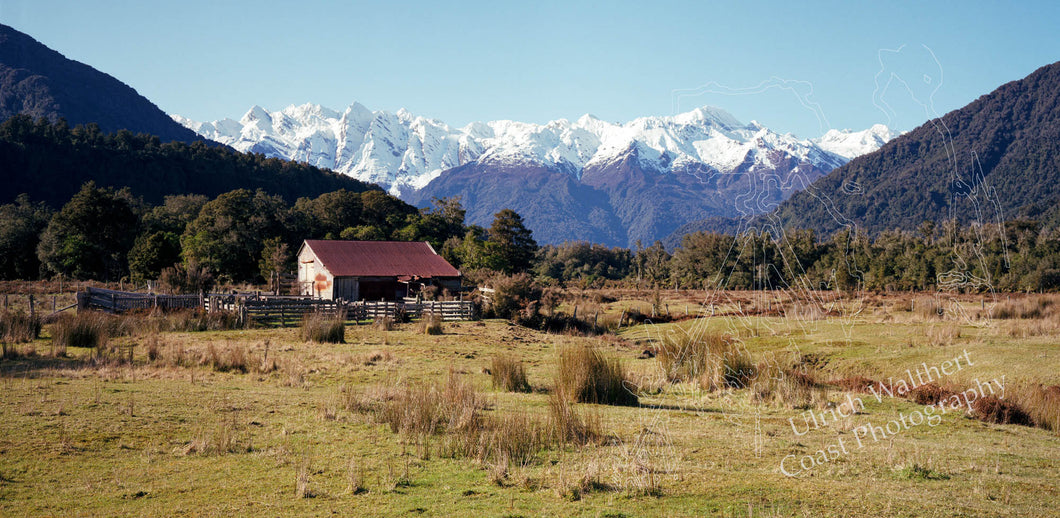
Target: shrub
pixel 511 293
pixel 710 359
pixel 585 375
pixel 324 328
pixel 189 278
pixel 508 374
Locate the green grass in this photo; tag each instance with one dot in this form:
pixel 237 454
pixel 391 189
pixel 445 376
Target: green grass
pixel 105 439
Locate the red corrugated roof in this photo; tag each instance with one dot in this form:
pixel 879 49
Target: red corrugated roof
pixel 381 259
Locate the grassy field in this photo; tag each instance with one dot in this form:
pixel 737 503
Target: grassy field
pixel 260 421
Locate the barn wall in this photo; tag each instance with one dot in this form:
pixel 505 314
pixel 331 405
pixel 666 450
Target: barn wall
pixel 346 288
pixel 313 279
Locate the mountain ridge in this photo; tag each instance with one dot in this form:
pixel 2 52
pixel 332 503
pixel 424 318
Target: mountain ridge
pixel 42 83
pixel 652 173
pixel 995 159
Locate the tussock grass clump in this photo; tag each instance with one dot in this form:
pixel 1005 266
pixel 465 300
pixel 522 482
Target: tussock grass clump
pixel 229 358
pixel 431 324
pixel 928 308
pixel 1042 404
pixel 89 329
pixel 324 328
pixel 712 360
pixel 383 324
pixel 788 386
pixel 1000 411
pixel 424 409
pixel 198 320
pixel 508 374
pixel 1036 307
pixel 585 375
pixel 515 439
pixel 19 327
pixel 943 334
pixel 224 437
pixel 568 426
pixel 917 472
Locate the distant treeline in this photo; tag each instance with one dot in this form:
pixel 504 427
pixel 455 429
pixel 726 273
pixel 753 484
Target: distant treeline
pixel 1019 256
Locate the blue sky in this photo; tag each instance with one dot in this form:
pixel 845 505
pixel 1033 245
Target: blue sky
pixel 543 60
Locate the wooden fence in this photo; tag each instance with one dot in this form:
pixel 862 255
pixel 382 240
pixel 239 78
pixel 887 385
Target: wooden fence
pixel 284 312
pixel 448 310
pixel 113 301
pixel 271 310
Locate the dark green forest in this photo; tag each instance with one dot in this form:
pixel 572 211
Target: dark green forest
pixel 50 161
pixel 993 160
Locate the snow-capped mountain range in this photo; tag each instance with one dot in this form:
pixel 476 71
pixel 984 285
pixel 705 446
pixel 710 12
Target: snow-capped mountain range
pixel 404 152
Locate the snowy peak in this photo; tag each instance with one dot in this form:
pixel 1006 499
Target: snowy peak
pixel 403 152
pixel 850 144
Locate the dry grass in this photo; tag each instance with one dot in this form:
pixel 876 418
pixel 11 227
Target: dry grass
pixel 88 329
pixel 227 358
pixel 942 334
pixel 423 409
pixel 508 374
pixel 324 328
pixel 1041 403
pixel 787 386
pixel 383 324
pixel 568 425
pixel 1043 306
pixel 19 327
pixel 712 360
pixel 585 375
pixel 431 324
pixel 928 308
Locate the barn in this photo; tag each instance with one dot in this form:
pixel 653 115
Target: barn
pixel 372 270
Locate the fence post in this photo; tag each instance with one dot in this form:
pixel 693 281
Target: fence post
pixel 31 306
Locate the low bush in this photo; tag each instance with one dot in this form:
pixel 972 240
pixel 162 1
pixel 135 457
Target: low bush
pixel 508 374
pixel 585 375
